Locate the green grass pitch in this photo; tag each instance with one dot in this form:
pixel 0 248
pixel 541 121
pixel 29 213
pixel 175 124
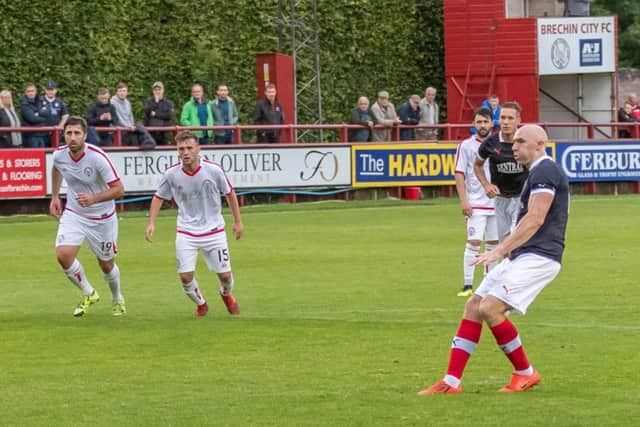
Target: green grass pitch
pixel 347 310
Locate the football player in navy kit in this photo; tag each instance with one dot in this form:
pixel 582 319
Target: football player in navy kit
pixel 532 256
pixel 507 176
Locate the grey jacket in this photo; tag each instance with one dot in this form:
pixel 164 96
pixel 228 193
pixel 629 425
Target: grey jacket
pixel 123 111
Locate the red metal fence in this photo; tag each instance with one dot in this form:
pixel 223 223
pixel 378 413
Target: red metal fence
pixel 243 134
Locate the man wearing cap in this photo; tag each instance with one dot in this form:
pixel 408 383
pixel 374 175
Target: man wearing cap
pixel 384 114
pixel 158 111
pixel 52 109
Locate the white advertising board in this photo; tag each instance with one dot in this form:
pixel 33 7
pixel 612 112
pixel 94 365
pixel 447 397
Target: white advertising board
pixel 258 167
pixel 576 45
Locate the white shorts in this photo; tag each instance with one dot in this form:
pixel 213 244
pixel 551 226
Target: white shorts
pixel 518 282
pixel 506 215
pixel 101 234
pixel 482 227
pixel 214 248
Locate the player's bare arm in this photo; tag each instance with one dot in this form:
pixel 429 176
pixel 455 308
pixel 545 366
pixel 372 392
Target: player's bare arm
pixel 539 205
pixel 237 227
pixel 115 191
pixel 154 209
pixel 491 190
pixel 465 206
pixel 55 207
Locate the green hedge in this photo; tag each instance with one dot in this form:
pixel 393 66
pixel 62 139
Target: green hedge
pixel 365 46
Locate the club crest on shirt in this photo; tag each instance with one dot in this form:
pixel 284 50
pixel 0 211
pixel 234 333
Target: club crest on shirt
pixel 88 172
pixel 209 188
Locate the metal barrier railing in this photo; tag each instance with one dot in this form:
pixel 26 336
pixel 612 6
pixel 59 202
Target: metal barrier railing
pixel 448 131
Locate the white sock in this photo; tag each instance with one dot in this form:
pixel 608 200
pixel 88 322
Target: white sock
pixel 470 253
pixel 528 371
pixel 488 247
pixel 193 292
pixel 452 381
pixel 76 275
pixel 225 289
pixel 113 279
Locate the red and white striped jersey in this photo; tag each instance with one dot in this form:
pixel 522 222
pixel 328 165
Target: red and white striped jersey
pixel 198 197
pixel 466 155
pixel 91 173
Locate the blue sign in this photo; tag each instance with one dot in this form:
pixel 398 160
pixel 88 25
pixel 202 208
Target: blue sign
pixel 590 52
pixel 403 164
pixel 606 161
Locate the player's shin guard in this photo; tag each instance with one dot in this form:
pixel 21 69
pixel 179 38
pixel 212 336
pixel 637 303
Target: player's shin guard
pixel 470 253
pixel 193 292
pixel 113 280
pixel 488 247
pixel 462 347
pixel 509 342
pixel 76 275
pixel 226 288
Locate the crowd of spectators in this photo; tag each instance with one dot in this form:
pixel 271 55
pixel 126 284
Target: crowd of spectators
pixel 46 109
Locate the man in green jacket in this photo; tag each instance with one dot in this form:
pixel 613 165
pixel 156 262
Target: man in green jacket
pixel 197 112
pixel 225 113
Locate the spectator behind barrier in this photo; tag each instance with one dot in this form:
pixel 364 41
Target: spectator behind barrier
pixel 625 115
pixel 493 104
pixel 409 114
pixel 158 111
pixel 429 115
pixel 30 113
pixel 52 109
pixel 361 115
pixel 268 111
pixel 124 114
pixel 225 112
pixel 9 118
pixel 102 114
pixel 383 114
pixel 635 111
pixel 197 112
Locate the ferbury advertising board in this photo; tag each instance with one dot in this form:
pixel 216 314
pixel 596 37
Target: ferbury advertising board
pixel 576 45
pixel 258 167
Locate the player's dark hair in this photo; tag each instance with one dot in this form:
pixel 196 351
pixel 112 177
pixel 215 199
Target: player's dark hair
pixel 513 105
pixel 76 121
pixel 483 112
pixel 185 135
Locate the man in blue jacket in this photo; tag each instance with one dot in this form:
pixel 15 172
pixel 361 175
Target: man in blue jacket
pixel 30 113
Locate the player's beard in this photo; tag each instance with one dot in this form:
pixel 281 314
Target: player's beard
pixel 483 133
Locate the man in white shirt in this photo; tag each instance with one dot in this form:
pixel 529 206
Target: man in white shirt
pixel 477 207
pixel 196 185
pixel 92 186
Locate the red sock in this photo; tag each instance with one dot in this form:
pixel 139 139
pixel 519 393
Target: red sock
pixel 509 342
pixel 463 346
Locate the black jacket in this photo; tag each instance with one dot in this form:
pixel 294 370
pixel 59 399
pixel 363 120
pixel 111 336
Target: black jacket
pixel 98 109
pixel 164 112
pixel 5 137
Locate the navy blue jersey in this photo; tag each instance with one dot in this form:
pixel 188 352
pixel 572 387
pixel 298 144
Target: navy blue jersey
pixel 546 176
pixel 506 173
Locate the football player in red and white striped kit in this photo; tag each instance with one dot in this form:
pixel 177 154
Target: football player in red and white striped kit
pixel 196 185
pixel 90 213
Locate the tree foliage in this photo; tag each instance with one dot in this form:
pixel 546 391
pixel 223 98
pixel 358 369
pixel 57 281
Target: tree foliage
pixel 628 12
pixel 366 45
